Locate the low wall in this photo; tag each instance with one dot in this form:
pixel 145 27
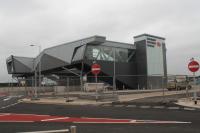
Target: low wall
pixel 24 90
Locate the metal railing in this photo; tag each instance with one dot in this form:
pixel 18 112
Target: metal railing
pixel 72 130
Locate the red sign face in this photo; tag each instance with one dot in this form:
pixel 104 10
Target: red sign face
pixel 96 69
pixel 193 66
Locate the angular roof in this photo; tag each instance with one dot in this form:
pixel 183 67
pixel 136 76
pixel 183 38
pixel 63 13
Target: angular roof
pixel 61 55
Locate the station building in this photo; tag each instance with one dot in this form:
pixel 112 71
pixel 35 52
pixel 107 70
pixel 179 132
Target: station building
pixel 141 65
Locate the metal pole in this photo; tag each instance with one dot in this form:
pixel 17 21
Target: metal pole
pixel 81 76
pixel 114 76
pixel 68 87
pixel 35 71
pixel 39 68
pixel 195 93
pixel 35 88
pixel 163 89
pixel 96 86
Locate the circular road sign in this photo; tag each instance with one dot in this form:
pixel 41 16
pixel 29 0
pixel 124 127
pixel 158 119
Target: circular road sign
pixel 193 66
pixel 96 68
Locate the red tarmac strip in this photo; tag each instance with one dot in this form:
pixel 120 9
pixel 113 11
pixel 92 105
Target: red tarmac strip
pixel 9 117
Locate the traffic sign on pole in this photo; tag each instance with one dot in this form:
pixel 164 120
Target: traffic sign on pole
pixel 96 69
pixel 193 66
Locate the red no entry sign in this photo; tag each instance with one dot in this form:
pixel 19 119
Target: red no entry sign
pixel 96 69
pixel 193 66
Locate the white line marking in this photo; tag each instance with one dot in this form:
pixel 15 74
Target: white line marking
pixel 158 107
pixel 5 114
pixel 173 107
pixel 189 108
pixel 132 106
pixel 145 107
pixel 133 121
pixel 60 118
pixel 6 99
pixel 9 105
pixel 141 122
pixel 161 122
pixel 49 131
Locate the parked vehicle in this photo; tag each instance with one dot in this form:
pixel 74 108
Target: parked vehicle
pixel 178 82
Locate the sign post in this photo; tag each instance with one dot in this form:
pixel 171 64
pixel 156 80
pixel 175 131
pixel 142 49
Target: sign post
pixel 96 69
pixel 193 66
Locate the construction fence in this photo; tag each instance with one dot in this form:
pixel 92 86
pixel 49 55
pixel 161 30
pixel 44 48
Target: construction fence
pixel 65 84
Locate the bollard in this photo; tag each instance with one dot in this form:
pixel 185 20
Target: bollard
pixel 195 97
pixel 72 129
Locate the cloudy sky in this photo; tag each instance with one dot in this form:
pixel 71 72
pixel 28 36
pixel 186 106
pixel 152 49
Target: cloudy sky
pixel 52 22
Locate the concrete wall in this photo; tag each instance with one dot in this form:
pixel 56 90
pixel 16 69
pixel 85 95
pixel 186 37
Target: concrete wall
pixel 23 90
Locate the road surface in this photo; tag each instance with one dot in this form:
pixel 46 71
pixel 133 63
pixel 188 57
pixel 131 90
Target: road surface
pixel 58 116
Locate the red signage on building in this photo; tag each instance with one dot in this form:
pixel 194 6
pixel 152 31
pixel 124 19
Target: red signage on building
pixel 193 66
pixel 96 69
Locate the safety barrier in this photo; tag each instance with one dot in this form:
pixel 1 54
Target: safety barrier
pixel 72 130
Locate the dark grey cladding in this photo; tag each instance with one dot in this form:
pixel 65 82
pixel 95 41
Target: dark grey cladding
pixel 50 62
pixel 141 61
pixel 19 65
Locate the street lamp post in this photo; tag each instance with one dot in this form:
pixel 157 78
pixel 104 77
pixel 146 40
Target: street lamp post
pixel 39 71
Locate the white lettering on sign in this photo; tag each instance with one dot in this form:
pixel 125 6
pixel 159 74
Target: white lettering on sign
pixel 94 69
pixel 194 66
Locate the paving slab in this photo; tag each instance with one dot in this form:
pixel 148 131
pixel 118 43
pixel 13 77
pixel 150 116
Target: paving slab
pixel 188 102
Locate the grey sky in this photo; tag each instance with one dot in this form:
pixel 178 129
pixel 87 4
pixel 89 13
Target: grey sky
pixel 51 22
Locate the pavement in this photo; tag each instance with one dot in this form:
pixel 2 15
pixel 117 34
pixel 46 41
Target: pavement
pixel 188 102
pixel 149 96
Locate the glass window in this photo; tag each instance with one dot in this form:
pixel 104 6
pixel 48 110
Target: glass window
pixel 105 53
pixel 78 55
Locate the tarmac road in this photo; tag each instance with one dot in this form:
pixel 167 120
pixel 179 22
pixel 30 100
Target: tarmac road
pixel 7 100
pixel 115 112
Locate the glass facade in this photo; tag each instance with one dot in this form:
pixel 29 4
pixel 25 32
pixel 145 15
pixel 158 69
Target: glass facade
pixel 78 54
pixel 105 53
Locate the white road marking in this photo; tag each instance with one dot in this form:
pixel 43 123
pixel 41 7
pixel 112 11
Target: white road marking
pixel 60 118
pixel 4 114
pixel 145 107
pixel 132 106
pixel 133 121
pixel 173 107
pixel 158 107
pixel 9 105
pixel 49 131
pixel 161 122
pixel 185 108
pixel 6 99
pixel 138 121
